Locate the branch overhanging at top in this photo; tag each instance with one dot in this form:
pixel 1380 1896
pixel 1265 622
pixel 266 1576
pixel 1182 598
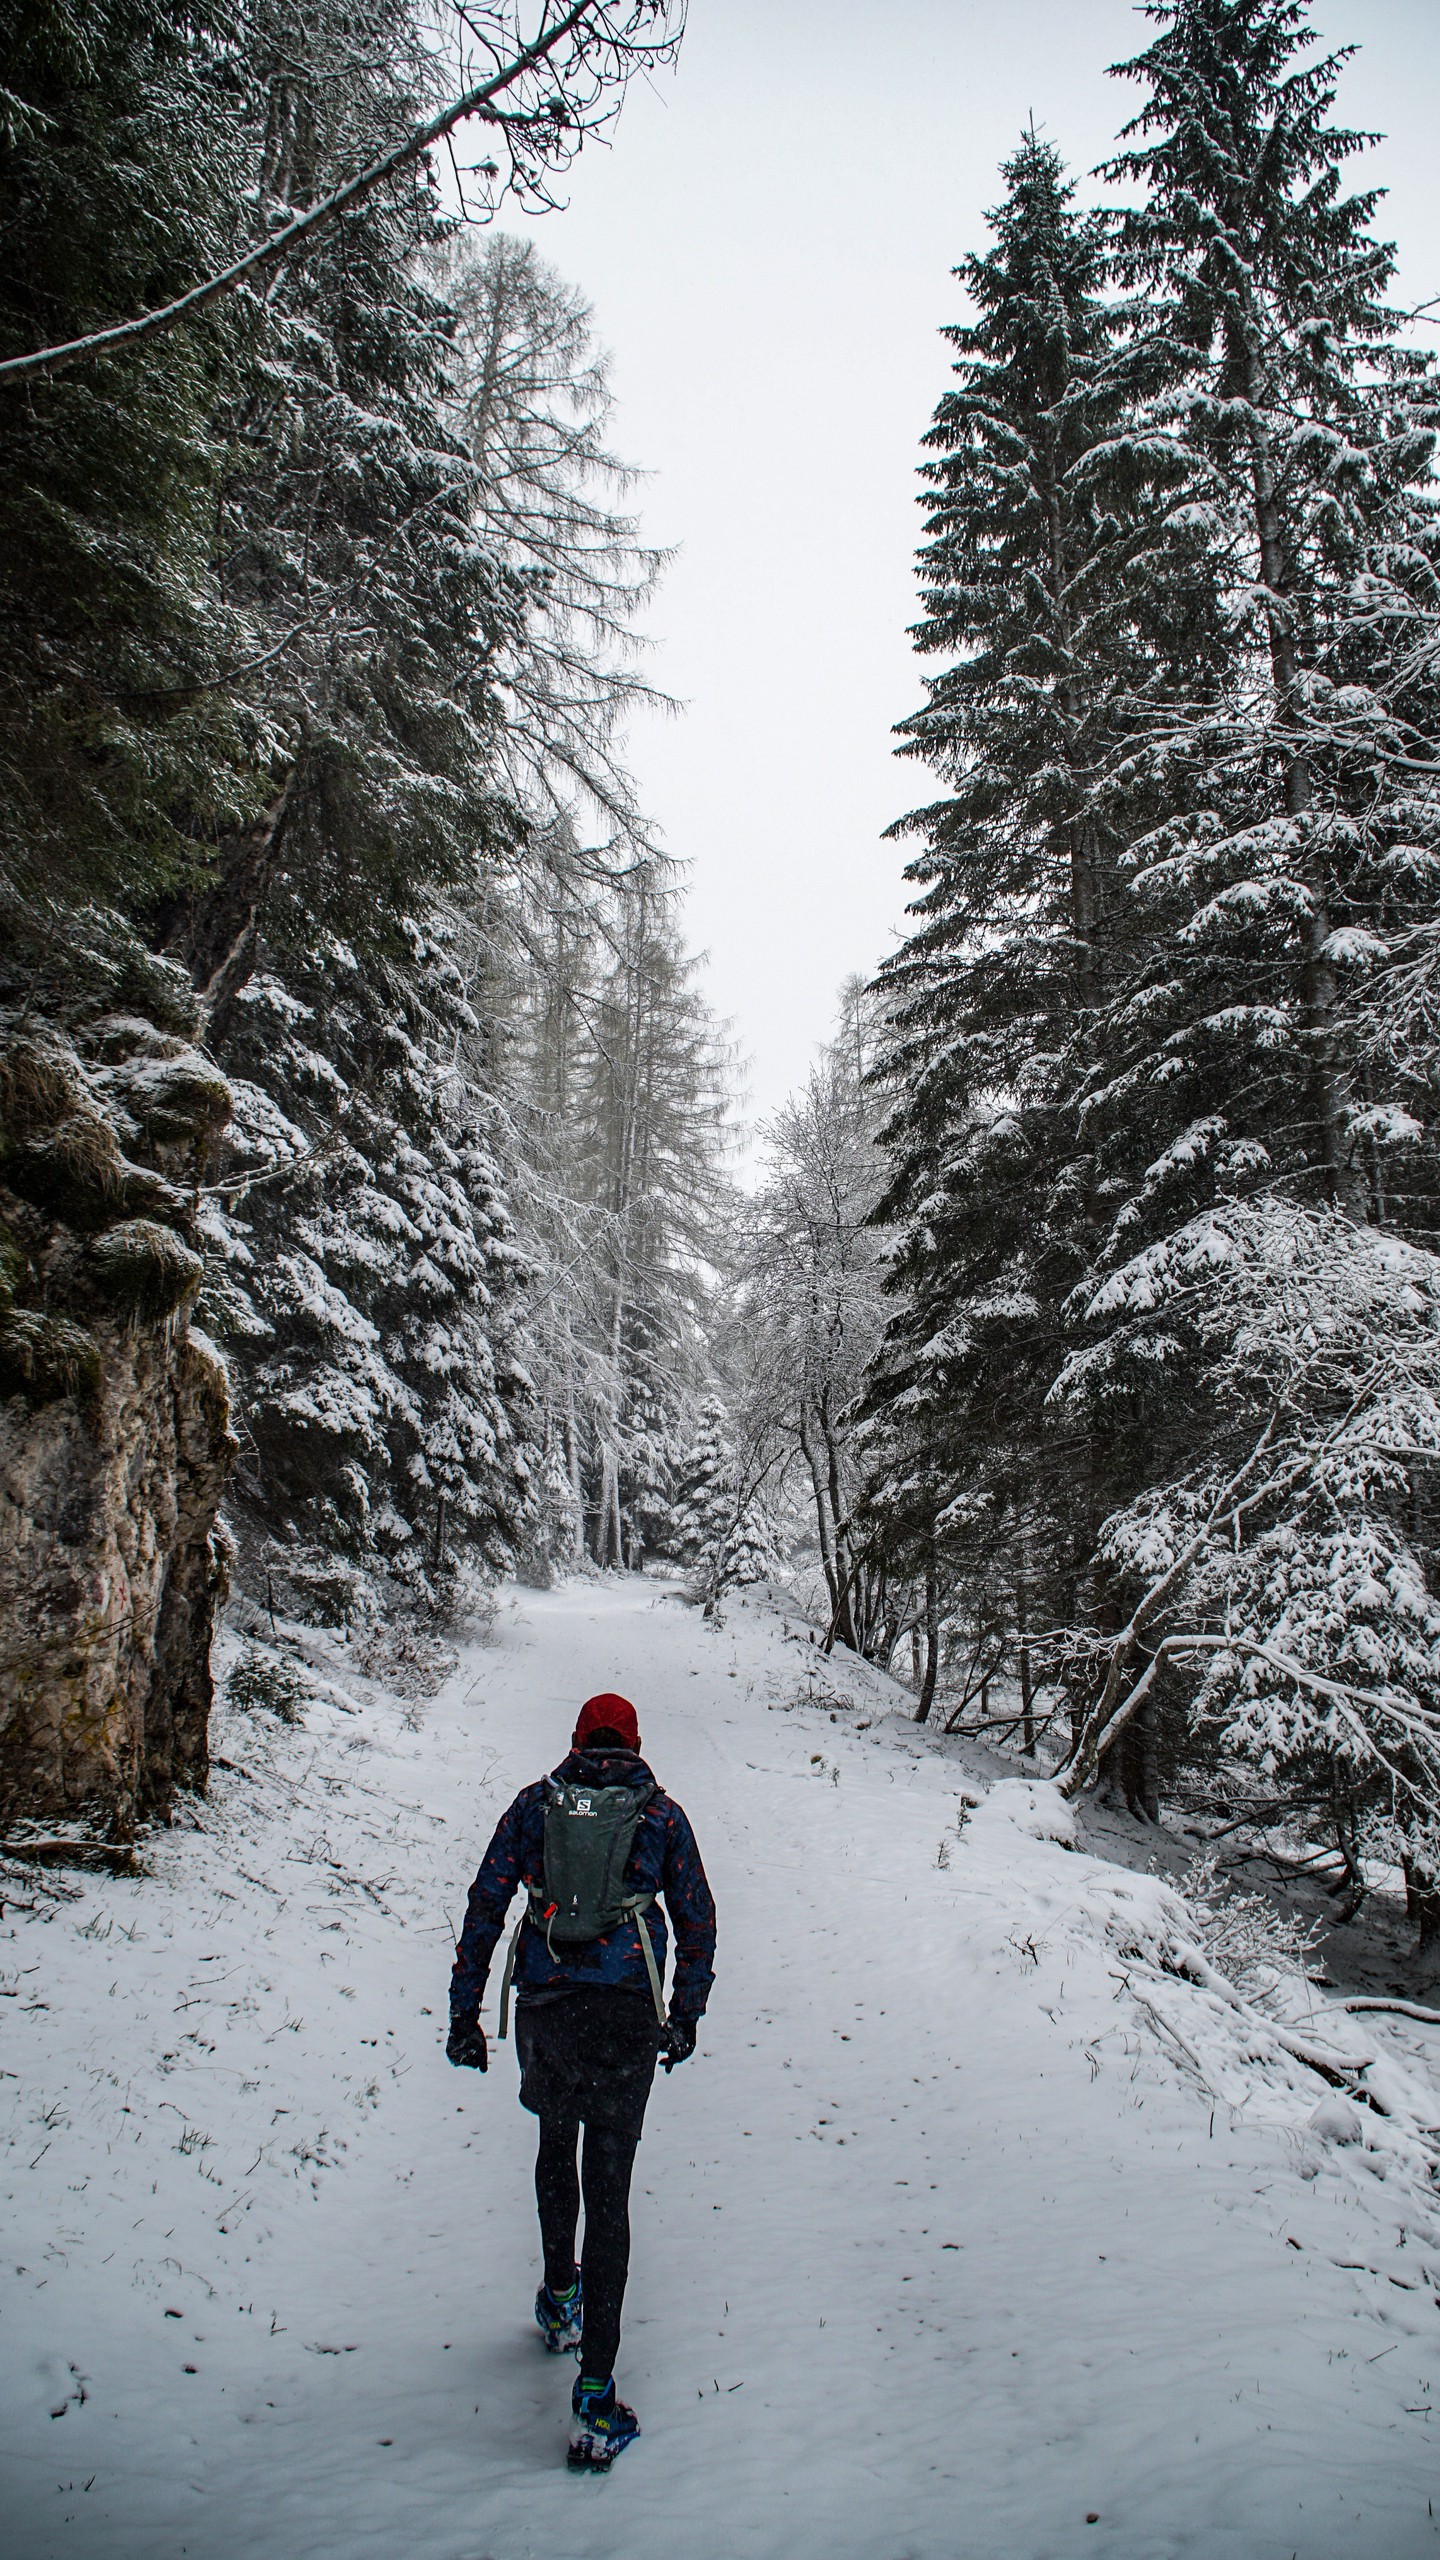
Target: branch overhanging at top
pixel 606 41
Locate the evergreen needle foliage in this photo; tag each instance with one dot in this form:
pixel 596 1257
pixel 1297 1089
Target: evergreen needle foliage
pixel 1154 1413
pixel 322 880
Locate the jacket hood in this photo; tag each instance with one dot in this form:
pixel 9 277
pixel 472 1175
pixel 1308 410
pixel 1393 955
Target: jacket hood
pixel 605 1769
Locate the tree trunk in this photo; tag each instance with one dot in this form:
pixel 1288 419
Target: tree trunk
pixel 824 1524
pixel 609 1536
pixel 218 935
pixel 1422 1904
pixel 845 1566
pixel 1142 1767
pixel 1130 1768
pixel 932 1646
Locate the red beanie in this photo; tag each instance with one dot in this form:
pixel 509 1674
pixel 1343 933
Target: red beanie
pixel 608 1714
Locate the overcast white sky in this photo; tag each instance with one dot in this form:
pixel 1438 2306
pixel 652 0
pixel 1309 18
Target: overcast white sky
pixel 767 249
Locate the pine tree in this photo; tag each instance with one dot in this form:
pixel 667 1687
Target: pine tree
pixel 121 171
pixel 1295 854
pixel 350 534
pixel 366 1277
pixel 721 1528
pixel 1198 1151
pixel 705 1491
pixel 1060 599
pixel 1301 422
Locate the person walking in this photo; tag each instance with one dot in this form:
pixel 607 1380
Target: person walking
pixel 593 1845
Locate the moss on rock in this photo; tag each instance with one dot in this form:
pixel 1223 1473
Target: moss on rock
pixel 44 1356
pixel 41 1082
pixel 173 1098
pixel 143 1270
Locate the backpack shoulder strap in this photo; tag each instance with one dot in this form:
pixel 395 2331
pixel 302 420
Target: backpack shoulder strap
pixel 508 1975
pixel 549 1789
pixel 636 1905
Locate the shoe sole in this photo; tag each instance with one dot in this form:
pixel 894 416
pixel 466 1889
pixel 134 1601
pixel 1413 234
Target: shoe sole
pixel 590 2453
pixel 581 2458
pixel 559 2342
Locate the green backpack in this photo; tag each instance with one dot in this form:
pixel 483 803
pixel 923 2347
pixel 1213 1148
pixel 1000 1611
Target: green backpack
pixel 589 1833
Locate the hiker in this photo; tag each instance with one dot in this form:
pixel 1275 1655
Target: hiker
pixel 592 1844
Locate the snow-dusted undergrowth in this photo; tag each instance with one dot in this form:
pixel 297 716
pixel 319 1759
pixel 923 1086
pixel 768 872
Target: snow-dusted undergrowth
pixel 991 2204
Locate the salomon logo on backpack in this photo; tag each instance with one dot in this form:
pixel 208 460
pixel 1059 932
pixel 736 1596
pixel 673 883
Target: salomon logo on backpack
pixel 589 1833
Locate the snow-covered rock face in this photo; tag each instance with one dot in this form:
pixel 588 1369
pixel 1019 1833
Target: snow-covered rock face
pixel 114 1426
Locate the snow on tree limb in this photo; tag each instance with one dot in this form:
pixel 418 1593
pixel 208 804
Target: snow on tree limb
pixel 606 41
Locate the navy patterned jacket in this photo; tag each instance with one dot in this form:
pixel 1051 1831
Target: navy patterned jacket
pixel 663 1859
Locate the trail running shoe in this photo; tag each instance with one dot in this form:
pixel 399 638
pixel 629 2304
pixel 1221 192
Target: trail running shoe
pixel 602 2428
pixel 558 2318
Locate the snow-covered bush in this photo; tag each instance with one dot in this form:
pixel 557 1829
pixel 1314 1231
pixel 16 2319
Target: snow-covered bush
pixel 263 1681
pixel 1281 1574
pixel 1242 1933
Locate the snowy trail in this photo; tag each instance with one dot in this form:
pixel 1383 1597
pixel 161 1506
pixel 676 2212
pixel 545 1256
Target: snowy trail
pixel 941 2252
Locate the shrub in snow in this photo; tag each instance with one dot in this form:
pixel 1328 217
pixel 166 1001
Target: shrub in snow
pixel 1283 1573
pixel 720 1527
pixel 406 1658
pixel 322 1590
pixel 1338 2119
pixel 1242 1933
pixel 261 1681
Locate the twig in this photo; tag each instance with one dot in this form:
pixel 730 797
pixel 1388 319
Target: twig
pixel 1191 2056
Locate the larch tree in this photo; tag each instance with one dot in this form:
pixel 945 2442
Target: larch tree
pixel 811 1312
pixel 535 413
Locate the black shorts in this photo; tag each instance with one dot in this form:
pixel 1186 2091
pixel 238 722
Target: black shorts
pixel 589 2055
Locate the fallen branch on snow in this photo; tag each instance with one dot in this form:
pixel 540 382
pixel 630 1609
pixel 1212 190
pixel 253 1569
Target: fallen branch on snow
pixel 1398 2008
pixel 1343 2071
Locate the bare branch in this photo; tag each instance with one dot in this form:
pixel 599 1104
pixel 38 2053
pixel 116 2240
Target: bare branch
pixel 588 22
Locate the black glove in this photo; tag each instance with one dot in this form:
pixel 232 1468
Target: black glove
pixel 465 2045
pixel 677 2041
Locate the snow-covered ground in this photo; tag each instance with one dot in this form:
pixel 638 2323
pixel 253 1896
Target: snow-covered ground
pixel 969 2235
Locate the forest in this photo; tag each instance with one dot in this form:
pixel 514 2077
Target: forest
pixel 370 1221
pixel 1006 1476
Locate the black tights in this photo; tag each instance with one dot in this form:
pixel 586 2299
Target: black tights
pixel 604 2175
